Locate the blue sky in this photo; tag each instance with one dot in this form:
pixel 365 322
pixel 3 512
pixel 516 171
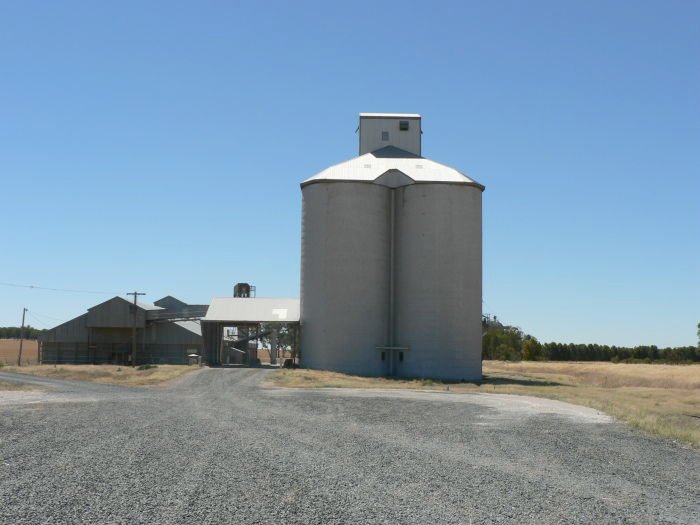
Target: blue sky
pixel 159 147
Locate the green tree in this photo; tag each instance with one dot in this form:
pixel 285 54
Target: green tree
pixel 510 343
pixel 287 338
pixel 13 332
pixel 531 349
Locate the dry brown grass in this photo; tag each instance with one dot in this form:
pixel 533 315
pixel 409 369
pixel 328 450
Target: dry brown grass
pixel 608 375
pixel 108 374
pixel 661 399
pixel 9 351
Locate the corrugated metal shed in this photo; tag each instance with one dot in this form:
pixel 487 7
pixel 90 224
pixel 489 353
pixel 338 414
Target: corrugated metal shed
pixel 253 310
pixel 104 335
pixel 371 166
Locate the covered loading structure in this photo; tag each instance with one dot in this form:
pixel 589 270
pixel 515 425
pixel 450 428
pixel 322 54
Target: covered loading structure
pixel 247 315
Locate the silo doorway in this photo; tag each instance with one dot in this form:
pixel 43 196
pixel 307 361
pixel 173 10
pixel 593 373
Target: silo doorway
pixel 392 357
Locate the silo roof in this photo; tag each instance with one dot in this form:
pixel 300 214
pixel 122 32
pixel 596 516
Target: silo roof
pixel 371 166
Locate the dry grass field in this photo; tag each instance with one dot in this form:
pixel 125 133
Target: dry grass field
pixel 660 399
pixel 9 350
pixel 110 374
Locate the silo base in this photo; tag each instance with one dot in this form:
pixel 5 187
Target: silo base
pixel 437 371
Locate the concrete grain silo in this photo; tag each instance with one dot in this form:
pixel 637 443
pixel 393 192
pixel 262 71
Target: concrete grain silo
pixel 391 261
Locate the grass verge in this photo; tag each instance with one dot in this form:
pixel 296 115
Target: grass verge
pixel 108 374
pixel 663 400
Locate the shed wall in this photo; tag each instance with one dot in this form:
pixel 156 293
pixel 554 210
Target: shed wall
pixel 74 331
pixel 171 333
pixel 115 353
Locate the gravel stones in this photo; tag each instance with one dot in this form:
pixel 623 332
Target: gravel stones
pixel 217 448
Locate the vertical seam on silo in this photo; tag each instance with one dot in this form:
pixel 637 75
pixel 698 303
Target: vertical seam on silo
pixel 392 278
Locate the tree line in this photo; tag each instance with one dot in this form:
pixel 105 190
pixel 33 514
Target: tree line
pixel 509 343
pixel 13 332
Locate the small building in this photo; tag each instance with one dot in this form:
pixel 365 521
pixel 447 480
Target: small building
pixel 164 334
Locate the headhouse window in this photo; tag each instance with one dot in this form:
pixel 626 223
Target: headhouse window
pixel 403 125
pixel 385 135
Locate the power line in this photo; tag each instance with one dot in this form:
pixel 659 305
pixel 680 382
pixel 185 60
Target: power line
pixel 69 290
pixel 47 316
pixel 37 320
pixel 44 317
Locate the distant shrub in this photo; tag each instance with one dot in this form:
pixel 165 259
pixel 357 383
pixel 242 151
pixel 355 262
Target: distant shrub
pixel 15 332
pixel 510 343
pixel 146 367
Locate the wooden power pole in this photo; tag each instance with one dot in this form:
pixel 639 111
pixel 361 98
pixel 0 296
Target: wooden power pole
pixel 21 338
pixel 133 330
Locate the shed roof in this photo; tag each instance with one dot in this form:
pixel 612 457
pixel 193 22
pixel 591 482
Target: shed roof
pixel 253 310
pixel 142 305
pixel 169 299
pixel 145 306
pixel 191 326
pixel 371 166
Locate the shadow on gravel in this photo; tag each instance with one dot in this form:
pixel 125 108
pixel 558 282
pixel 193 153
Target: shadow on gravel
pixel 263 366
pixel 513 381
pixel 487 380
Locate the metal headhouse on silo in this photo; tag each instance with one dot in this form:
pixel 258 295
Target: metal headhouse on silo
pixel 391 260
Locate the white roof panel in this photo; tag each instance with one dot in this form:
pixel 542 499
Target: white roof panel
pixel 390 115
pixel 253 309
pixel 191 326
pixel 370 166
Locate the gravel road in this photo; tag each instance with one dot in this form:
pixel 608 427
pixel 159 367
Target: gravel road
pixel 216 447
